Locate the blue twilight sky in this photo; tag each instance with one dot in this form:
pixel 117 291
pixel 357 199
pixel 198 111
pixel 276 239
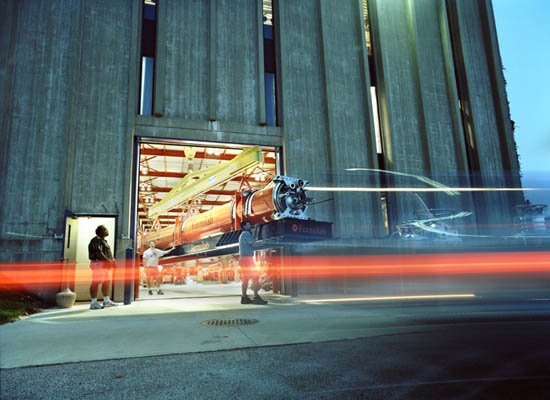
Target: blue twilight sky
pixel 523 29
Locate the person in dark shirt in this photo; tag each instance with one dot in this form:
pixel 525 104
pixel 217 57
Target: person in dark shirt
pixel 248 268
pixel 102 262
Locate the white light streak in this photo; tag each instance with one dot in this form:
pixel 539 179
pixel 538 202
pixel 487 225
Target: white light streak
pixel 428 296
pixel 417 189
pixel 422 179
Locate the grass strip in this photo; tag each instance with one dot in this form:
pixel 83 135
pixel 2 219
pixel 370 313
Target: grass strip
pixel 14 305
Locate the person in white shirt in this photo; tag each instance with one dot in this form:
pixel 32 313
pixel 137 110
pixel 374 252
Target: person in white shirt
pixel 152 269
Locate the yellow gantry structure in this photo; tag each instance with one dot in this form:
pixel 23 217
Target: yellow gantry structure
pixel 208 178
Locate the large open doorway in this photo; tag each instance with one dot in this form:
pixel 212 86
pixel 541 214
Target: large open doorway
pixel 79 230
pixel 162 166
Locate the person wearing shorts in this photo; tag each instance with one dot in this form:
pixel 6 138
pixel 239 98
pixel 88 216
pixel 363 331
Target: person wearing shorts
pixel 101 264
pixel 151 263
pixel 248 268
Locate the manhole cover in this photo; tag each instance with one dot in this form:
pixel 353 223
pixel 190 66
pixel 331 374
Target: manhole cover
pixel 229 322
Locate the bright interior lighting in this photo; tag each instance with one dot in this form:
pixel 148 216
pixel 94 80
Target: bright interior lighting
pixel 376 120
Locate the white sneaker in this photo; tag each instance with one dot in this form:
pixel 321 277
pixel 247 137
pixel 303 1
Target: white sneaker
pixel 109 304
pixel 95 306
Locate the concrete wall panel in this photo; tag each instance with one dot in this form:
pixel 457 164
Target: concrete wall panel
pixel 68 72
pixel 102 104
pixel 403 135
pixel 236 59
pixel 421 124
pixel 38 84
pixel 401 113
pixel 8 26
pixel 350 137
pixel 186 87
pixel 486 134
pixel 444 138
pixel 480 88
pixel 189 69
pixel 305 129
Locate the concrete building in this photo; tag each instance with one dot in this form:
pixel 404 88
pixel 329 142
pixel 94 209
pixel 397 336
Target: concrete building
pixel 84 84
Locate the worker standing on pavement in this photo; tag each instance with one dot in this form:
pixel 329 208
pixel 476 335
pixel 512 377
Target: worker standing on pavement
pixel 248 268
pixel 101 264
pixel 152 269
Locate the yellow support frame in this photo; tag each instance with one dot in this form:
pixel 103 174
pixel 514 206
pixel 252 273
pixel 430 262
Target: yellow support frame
pixel 210 177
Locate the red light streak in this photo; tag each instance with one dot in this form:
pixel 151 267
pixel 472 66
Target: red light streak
pixel 419 265
pixel 16 275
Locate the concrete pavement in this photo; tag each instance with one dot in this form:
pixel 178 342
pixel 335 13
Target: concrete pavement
pixel 453 361
pixel 459 347
pixel 159 326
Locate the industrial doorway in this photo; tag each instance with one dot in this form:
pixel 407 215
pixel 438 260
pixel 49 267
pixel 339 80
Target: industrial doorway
pixel 162 166
pixel 79 230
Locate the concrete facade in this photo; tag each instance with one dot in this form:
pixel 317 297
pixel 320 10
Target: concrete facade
pixel 69 78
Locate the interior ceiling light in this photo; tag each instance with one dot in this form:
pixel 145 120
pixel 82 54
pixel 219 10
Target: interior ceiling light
pixel 190 152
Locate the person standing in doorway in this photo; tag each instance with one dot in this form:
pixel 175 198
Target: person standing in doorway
pixel 152 269
pixel 102 263
pixel 248 268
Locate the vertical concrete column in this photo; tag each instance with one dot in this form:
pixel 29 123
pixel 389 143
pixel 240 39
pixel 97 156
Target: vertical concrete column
pixel 416 78
pixel 160 60
pixel 279 37
pixel 349 119
pixel 329 96
pixel 260 63
pixel 237 61
pixel 103 104
pixel 450 74
pixel 212 40
pixel 376 218
pixel 131 112
pixel 73 108
pixel 372 161
pixel 486 149
pixel 420 75
pixel 442 136
pixel 397 84
pixel 505 132
pixel 190 58
pixel 70 133
pixel 463 168
pixel 301 99
pixel 337 229
pixel 40 53
pixel 8 31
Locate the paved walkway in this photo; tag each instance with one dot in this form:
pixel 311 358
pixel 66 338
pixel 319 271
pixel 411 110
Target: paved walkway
pixel 160 327
pixel 171 324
